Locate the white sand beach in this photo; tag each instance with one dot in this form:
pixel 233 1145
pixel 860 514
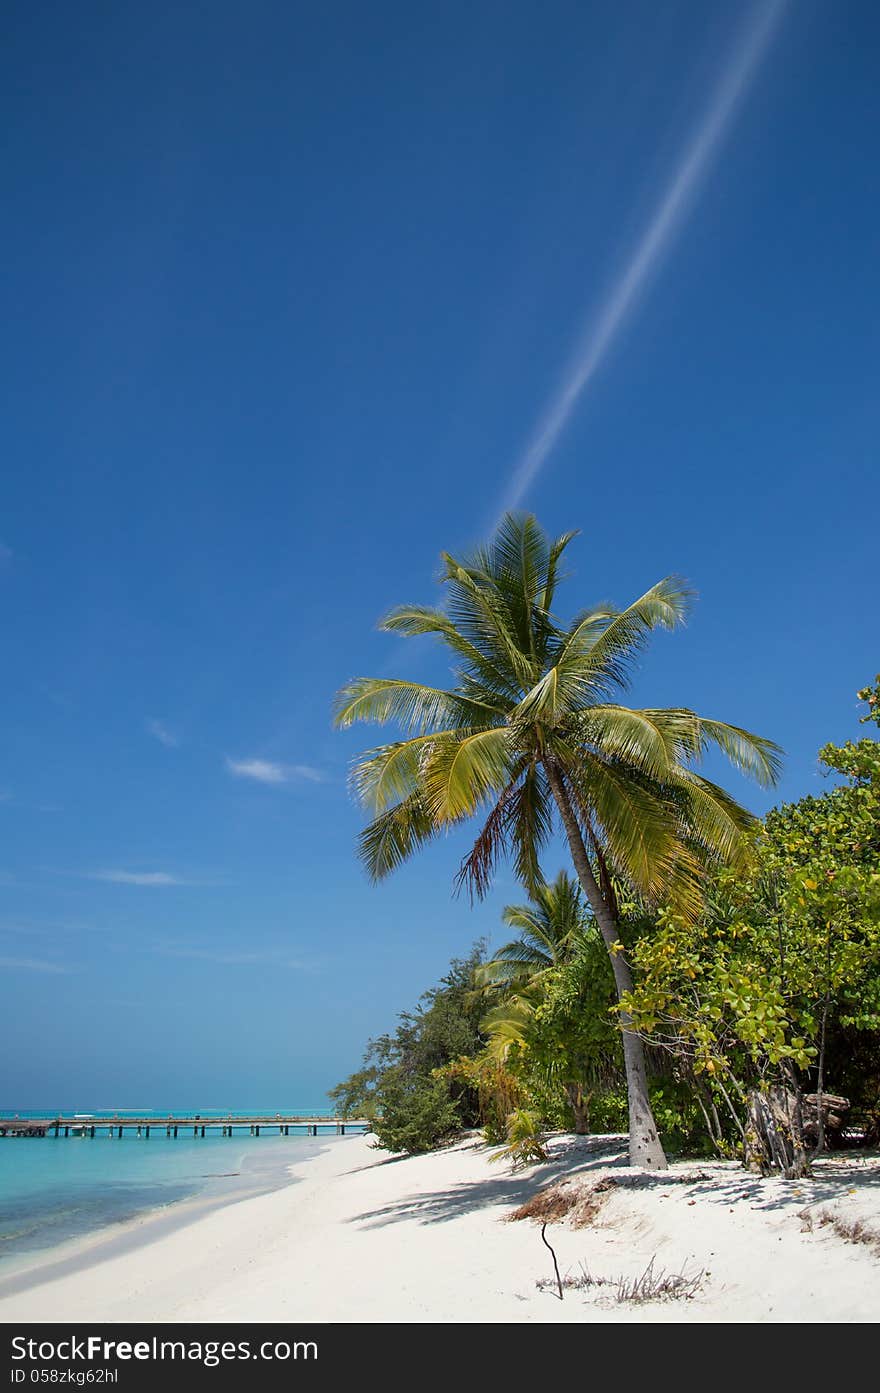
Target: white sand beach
pixel 361 1236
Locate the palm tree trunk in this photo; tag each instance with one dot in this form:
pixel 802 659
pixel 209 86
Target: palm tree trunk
pixel 644 1143
pixel 580 1108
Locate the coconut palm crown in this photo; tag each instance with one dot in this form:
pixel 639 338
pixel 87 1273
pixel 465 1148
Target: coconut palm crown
pixel 531 730
pixel 550 928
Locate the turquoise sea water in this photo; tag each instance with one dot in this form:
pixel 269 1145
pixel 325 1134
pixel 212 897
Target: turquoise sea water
pixel 53 1190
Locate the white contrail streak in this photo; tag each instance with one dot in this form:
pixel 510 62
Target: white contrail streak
pixel 665 222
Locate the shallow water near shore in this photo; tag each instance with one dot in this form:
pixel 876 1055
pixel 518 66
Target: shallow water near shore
pixel 54 1190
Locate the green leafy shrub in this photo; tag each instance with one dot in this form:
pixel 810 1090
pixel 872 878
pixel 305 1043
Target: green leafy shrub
pixel 778 982
pixel 414 1114
pixel 609 1111
pixel 683 1129
pixel 525 1141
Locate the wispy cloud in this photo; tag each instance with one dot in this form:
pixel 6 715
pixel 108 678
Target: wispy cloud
pixel 665 223
pixel 160 732
pixel 121 875
pixel 136 877
pixel 34 965
pixel 6 554
pixel 264 771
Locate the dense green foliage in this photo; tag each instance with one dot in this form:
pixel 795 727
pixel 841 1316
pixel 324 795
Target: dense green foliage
pixel 412 1106
pixel 558 1037
pixel 551 1031
pixel 779 979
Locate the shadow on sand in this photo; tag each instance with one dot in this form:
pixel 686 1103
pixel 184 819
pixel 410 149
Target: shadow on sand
pixel 714 1182
pixel 571 1156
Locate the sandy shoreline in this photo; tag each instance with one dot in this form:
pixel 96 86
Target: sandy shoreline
pixel 72 1256
pixel 362 1236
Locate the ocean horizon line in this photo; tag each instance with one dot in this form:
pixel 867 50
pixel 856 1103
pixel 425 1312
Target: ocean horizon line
pixel 11 1110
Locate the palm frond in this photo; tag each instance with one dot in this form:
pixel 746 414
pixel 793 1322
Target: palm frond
pixel 635 824
pixel 505 973
pixel 518 559
pixel 413 620
pixel 551 930
pixel 526 918
pixel 686 880
pixel 392 837
pixel 553 917
pixel 551 581
pixel 507 1026
pixel 520 823
pixel 477 608
pixel 543 702
pixel 464 772
pixel 713 819
pixel 411 704
pixel 633 736
pixel 613 638
pixel 530 827
pixel 752 755
pixel 478 867
pixel 390 772
pixel 532 950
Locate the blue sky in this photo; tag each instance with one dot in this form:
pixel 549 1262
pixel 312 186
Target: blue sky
pixel 297 296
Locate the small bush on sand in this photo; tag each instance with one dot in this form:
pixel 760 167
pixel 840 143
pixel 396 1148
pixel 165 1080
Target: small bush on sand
pixel 417 1114
pixel 525 1142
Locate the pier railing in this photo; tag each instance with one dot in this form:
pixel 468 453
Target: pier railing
pixel 83 1124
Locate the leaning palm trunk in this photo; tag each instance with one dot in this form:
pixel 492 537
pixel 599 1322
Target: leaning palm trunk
pixel 644 1142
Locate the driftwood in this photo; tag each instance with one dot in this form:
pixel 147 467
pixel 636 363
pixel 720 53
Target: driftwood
pixel 775 1133
pixel 834 1110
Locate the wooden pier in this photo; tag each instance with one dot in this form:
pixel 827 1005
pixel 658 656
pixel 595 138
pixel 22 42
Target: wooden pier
pixel 83 1125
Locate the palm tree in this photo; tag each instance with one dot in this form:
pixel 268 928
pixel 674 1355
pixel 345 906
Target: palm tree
pixel 554 931
pixel 549 929
pixel 530 731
